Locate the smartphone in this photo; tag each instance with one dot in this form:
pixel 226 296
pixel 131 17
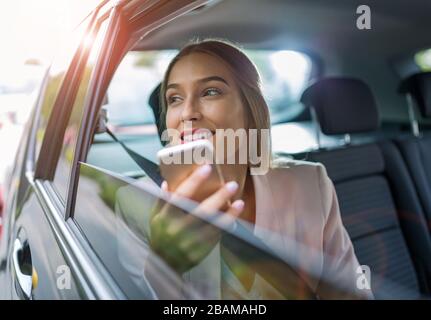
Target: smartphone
pixel 178 162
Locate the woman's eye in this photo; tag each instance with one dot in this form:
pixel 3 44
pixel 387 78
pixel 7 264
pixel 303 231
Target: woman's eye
pixel 173 99
pixel 212 92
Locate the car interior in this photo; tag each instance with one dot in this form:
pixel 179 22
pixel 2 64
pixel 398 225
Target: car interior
pixel 364 112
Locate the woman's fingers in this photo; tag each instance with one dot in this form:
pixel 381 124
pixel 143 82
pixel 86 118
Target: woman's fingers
pixel 234 211
pixel 186 244
pixel 192 183
pixel 206 233
pixel 179 221
pixel 218 199
pixel 210 207
pixel 201 233
pixel 227 219
pixel 186 189
pixel 191 229
pixel 164 186
pixel 181 233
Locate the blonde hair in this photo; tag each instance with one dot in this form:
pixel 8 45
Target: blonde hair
pixel 247 80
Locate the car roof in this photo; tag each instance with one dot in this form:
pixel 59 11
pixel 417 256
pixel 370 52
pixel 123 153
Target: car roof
pixel 397 26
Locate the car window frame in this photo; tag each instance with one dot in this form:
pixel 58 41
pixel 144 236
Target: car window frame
pixel 49 155
pixel 70 77
pixel 93 279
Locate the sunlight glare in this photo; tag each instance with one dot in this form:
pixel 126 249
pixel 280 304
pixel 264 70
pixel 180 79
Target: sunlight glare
pixel 293 67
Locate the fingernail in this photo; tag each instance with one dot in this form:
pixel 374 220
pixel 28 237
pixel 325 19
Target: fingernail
pixel 238 204
pixel 204 170
pixel 232 186
pixel 164 186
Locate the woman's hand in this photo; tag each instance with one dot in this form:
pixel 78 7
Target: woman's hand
pixel 184 239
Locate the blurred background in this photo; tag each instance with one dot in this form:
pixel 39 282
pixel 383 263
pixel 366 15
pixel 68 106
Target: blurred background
pixel 31 31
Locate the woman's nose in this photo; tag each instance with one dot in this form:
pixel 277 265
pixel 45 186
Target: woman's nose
pixel 191 111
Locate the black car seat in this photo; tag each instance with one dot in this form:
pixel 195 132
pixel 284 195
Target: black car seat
pixel 416 148
pixel 378 203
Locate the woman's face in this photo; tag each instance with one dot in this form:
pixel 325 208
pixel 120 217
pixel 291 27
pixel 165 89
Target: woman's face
pixel 201 91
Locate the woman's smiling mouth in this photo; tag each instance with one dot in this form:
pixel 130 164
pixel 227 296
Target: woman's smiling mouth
pixel 195 134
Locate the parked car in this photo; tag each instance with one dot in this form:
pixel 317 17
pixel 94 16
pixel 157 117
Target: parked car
pixel 62 235
pixel 18 88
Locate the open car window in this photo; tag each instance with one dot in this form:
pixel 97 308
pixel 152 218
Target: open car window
pixel 131 118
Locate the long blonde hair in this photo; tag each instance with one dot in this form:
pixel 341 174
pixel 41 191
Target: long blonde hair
pixel 247 79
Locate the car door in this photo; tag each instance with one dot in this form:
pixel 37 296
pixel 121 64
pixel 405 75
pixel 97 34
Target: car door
pixel 41 258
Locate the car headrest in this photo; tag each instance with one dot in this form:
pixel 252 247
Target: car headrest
pixel 154 102
pixel 342 105
pixel 419 86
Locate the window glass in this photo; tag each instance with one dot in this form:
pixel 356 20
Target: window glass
pixel 56 74
pixel 284 76
pixel 129 113
pixel 70 137
pixel 117 217
pixel 132 85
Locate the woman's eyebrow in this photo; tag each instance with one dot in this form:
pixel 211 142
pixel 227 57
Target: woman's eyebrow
pixel 172 85
pixel 207 79
pixel 213 78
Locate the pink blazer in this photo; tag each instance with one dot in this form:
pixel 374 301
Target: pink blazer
pixel 297 213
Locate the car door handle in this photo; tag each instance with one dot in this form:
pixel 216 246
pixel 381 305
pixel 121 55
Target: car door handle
pixel 23 268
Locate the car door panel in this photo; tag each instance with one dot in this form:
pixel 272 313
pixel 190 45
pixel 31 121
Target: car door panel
pixel 47 258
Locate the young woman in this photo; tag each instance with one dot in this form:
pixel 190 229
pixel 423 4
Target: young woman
pixel 213 85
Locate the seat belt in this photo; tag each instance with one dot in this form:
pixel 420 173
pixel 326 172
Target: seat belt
pixel 149 167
